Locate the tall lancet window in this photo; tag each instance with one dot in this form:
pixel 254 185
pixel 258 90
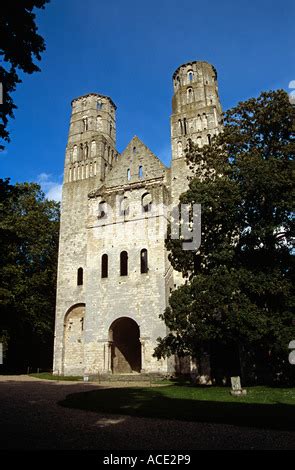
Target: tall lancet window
pixel 143 261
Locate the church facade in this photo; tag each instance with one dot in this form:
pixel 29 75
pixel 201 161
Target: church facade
pixel 114 276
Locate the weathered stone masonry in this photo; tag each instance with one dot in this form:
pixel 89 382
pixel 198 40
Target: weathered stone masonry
pixel 114 277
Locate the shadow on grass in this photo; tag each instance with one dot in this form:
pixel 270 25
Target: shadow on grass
pixel 153 403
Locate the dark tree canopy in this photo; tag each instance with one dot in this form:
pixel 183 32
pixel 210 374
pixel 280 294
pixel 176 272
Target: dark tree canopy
pixel 238 285
pixel 20 44
pixel 29 227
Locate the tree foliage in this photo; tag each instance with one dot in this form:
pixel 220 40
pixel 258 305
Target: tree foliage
pixel 29 226
pixel 19 45
pixel 238 286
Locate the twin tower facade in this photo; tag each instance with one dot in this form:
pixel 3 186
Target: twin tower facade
pixel 114 277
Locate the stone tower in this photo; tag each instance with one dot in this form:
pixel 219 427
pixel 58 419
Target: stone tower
pixel 196 115
pixel 90 153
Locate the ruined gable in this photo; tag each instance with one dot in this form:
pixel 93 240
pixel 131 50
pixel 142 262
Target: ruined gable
pixel 136 163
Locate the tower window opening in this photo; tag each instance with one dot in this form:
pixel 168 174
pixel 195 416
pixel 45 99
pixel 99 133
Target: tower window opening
pixel 209 139
pixel 124 207
pixel 99 105
pixel 180 130
pixel 190 75
pixel 140 172
pixel 86 150
pixel 124 263
pixel 128 174
pixel 134 149
pixel 146 202
pixel 111 129
pixel 143 261
pixel 190 95
pixel 80 277
pixel 85 124
pixel 104 266
pixel 102 210
pixel 184 126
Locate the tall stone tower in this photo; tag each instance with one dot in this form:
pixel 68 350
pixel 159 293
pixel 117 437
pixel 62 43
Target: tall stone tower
pixel 196 114
pixel 90 154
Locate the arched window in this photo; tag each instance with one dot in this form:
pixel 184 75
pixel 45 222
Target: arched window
pixel 124 263
pixel 190 95
pixel 179 127
pixel 102 210
pixel 199 141
pixel 104 265
pixel 190 75
pixel 80 277
pixel 143 261
pixel 184 126
pixel 85 123
pixel 134 149
pixel 128 174
pixel 124 206
pixel 99 105
pixel 146 202
pixel 140 172
pixel 209 139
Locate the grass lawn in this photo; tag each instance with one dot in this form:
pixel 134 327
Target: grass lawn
pixel 49 376
pixel 262 407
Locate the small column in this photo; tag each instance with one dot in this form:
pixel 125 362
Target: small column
pixel 110 346
pixel 142 343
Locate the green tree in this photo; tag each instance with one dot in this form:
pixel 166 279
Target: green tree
pixel 238 286
pixel 19 45
pixel 29 226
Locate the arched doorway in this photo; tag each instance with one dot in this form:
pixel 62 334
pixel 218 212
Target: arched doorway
pixel 125 346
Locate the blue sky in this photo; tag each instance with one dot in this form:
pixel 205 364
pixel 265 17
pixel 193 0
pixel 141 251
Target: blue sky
pixel 129 50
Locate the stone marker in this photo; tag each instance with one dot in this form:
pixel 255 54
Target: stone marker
pixel 236 389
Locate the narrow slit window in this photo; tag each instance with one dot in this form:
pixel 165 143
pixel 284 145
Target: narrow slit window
pixel 80 277
pixel 104 265
pixel 128 174
pixel 140 172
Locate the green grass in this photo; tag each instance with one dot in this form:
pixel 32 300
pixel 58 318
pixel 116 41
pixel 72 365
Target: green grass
pixel 49 376
pixel 262 407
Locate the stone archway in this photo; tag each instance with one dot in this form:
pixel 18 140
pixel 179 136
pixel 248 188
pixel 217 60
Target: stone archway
pixel 73 354
pixel 125 346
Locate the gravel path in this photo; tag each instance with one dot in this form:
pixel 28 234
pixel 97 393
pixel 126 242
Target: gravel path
pixel 31 419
